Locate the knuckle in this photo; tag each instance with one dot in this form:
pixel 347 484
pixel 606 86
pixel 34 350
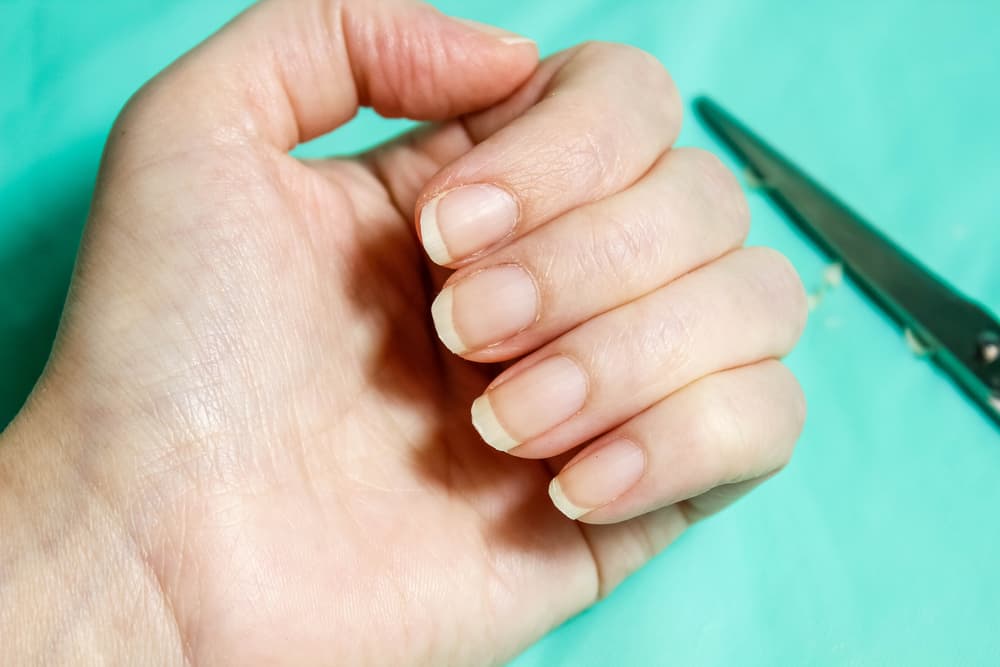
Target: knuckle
pixel 788 408
pixel 784 450
pixel 623 247
pixel 717 434
pixel 652 77
pixel 721 189
pixel 642 64
pixel 714 427
pixel 644 71
pixel 733 439
pixel 780 285
pixel 796 402
pixel 607 51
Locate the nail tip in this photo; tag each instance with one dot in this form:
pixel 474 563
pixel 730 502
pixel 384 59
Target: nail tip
pixel 444 324
pixel 517 40
pixel 562 503
pixel 430 235
pixel 489 428
pixel 505 36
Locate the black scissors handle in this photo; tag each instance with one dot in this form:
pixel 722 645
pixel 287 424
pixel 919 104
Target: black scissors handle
pixel 959 334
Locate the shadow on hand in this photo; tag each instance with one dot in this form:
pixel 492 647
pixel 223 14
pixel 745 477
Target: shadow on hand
pixel 393 283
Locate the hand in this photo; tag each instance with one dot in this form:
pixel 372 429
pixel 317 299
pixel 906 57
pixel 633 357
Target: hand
pixel 265 453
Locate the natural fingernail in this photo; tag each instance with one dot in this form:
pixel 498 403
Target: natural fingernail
pixel 485 308
pixel 505 36
pixel 465 220
pixel 530 403
pixel 598 478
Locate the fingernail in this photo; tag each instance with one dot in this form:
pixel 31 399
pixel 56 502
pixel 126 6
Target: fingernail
pixel 465 220
pixel 486 308
pixel 598 478
pixel 530 403
pixel 505 36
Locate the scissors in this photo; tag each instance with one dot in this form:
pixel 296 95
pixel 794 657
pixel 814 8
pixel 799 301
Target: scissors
pixel 957 334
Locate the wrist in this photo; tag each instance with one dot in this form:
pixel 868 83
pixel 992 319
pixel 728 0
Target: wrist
pixel 73 581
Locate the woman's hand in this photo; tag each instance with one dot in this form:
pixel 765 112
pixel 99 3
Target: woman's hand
pixel 249 445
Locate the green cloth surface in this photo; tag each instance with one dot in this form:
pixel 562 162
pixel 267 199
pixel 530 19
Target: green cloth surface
pixel 879 543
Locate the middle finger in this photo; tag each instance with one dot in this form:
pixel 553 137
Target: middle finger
pixel 688 210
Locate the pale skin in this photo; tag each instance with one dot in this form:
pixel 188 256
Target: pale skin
pixel 253 442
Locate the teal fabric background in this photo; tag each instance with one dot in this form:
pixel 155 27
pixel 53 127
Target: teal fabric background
pixel 879 544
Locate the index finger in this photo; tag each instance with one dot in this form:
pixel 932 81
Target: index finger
pixel 588 124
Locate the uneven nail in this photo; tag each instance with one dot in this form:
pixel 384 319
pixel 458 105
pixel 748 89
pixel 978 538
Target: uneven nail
pixel 598 478
pixel 486 308
pixel 505 36
pixel 530 403
pixel 465 220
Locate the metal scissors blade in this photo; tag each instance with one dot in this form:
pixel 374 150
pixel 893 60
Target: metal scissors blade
pixel 957 333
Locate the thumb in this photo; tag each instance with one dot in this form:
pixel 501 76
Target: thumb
pixel 286 71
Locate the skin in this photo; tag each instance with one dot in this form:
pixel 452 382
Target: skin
pixel 249 445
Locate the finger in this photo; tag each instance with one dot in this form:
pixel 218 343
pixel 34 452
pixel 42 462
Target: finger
pixel 724 431
pixel 742 308
pixel 284 72
pixel 407 163
pixel 688 210
pixel 606 115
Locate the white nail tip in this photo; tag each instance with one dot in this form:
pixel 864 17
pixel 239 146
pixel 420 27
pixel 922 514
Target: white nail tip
pixel 562 503
pixel 430 234
pixel 490 430
pixel 517 40
pixel 444 321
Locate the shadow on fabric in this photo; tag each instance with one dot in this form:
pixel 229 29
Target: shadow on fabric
pixel 44 210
